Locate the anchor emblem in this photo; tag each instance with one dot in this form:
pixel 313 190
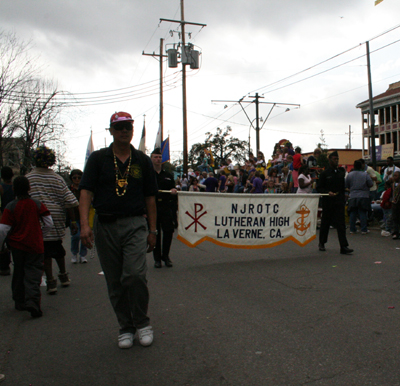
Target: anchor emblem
pixel 300 225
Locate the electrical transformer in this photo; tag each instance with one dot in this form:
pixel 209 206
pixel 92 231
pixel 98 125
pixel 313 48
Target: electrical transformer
pixel 172 57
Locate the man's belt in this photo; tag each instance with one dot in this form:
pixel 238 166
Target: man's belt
pixel 109 217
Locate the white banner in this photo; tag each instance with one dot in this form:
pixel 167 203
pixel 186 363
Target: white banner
pixel 247 220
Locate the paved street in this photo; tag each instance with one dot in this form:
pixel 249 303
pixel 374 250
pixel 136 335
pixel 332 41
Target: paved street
pixel 280 316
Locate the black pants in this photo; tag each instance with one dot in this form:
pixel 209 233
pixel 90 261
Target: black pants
pixel 5 260
pixel 333 213
pixel 27 276
pixel 165 227
pixel 53 250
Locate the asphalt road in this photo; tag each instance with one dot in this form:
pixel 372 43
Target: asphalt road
pixel 281 316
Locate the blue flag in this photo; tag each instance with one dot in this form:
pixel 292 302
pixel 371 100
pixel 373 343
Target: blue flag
pixel 165 150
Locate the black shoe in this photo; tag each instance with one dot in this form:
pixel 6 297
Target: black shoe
pixel 346 251
pixel 35 313
pixel 20 306
pixel 157 264
pixel 168 263
pixel 321 247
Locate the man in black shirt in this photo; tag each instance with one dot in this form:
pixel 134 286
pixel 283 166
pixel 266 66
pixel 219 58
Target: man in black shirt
pixel 120 181
pixel 165 219
pixel 331 182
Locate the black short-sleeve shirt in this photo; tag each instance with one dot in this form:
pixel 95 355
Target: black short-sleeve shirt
pixel 165 181
pixel 99 177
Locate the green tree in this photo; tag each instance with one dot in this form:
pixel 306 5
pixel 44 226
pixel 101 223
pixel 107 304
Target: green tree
pixel 169 167
pixel 223 147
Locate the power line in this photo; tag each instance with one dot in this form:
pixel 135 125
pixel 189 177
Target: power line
pixel 330 69
pixel 324 61
pixel 72 95
pixel 96 100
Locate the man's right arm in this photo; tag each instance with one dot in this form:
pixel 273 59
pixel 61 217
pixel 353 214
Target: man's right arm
pixel 84 206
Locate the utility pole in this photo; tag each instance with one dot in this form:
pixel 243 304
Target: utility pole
pixel 182 23
pixel 256 101
pixel 349 133
pixel 371 110
pixel 160 57
pixel 257 119
pixel 184 106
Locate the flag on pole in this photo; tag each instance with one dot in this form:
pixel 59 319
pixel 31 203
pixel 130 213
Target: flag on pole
pixel 165 151
pixel 378 2
pixel 158 138
pixel 90 148
pixel 142 144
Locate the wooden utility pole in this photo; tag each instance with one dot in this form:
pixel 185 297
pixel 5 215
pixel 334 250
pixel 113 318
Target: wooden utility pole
pixel 184 107
pixel 257 119
pixel 349 133
pixel 256 101
pixel 371 111
pixel 160 57
pixel 182 23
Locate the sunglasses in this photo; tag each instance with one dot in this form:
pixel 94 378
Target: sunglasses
pixel 76 177
pixel 128 126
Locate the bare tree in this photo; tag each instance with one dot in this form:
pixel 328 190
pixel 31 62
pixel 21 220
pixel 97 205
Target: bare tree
pixel 16 71
pixel 42 105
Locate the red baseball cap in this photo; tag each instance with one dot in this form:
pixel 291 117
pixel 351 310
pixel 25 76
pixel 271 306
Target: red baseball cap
pixel 120 117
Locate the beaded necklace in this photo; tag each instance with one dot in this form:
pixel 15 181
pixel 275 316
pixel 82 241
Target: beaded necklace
pixel 121 183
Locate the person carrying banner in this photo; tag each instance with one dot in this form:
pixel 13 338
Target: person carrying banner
pixel 165 219
pixel 122 184
pixel 332 183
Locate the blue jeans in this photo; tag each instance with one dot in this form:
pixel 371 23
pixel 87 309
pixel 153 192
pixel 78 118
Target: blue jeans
pixel 75 240
pixel 387 216
pixel 362 215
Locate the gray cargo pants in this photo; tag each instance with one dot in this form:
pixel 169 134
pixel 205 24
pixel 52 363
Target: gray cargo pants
pixel 121 247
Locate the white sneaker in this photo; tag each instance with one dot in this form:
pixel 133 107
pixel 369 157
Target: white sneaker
pixel 74 259
pixel 126 340
pixel 82 259
pixel 145 335
pixel 365 233
pixel 385 233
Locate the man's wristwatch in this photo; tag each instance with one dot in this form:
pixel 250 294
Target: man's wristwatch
pixel 154 232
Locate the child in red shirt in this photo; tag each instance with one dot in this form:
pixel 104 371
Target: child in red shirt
pixel 21 225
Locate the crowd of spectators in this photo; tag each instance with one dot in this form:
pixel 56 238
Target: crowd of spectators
pixel 287 172
pixel 371 195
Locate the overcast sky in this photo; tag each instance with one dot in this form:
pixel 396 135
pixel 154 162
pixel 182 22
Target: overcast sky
pixel 91 46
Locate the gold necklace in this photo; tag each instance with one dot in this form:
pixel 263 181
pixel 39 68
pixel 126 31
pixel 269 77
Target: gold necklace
pixel 121 183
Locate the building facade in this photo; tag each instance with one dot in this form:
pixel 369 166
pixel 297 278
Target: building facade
pixel 387 125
